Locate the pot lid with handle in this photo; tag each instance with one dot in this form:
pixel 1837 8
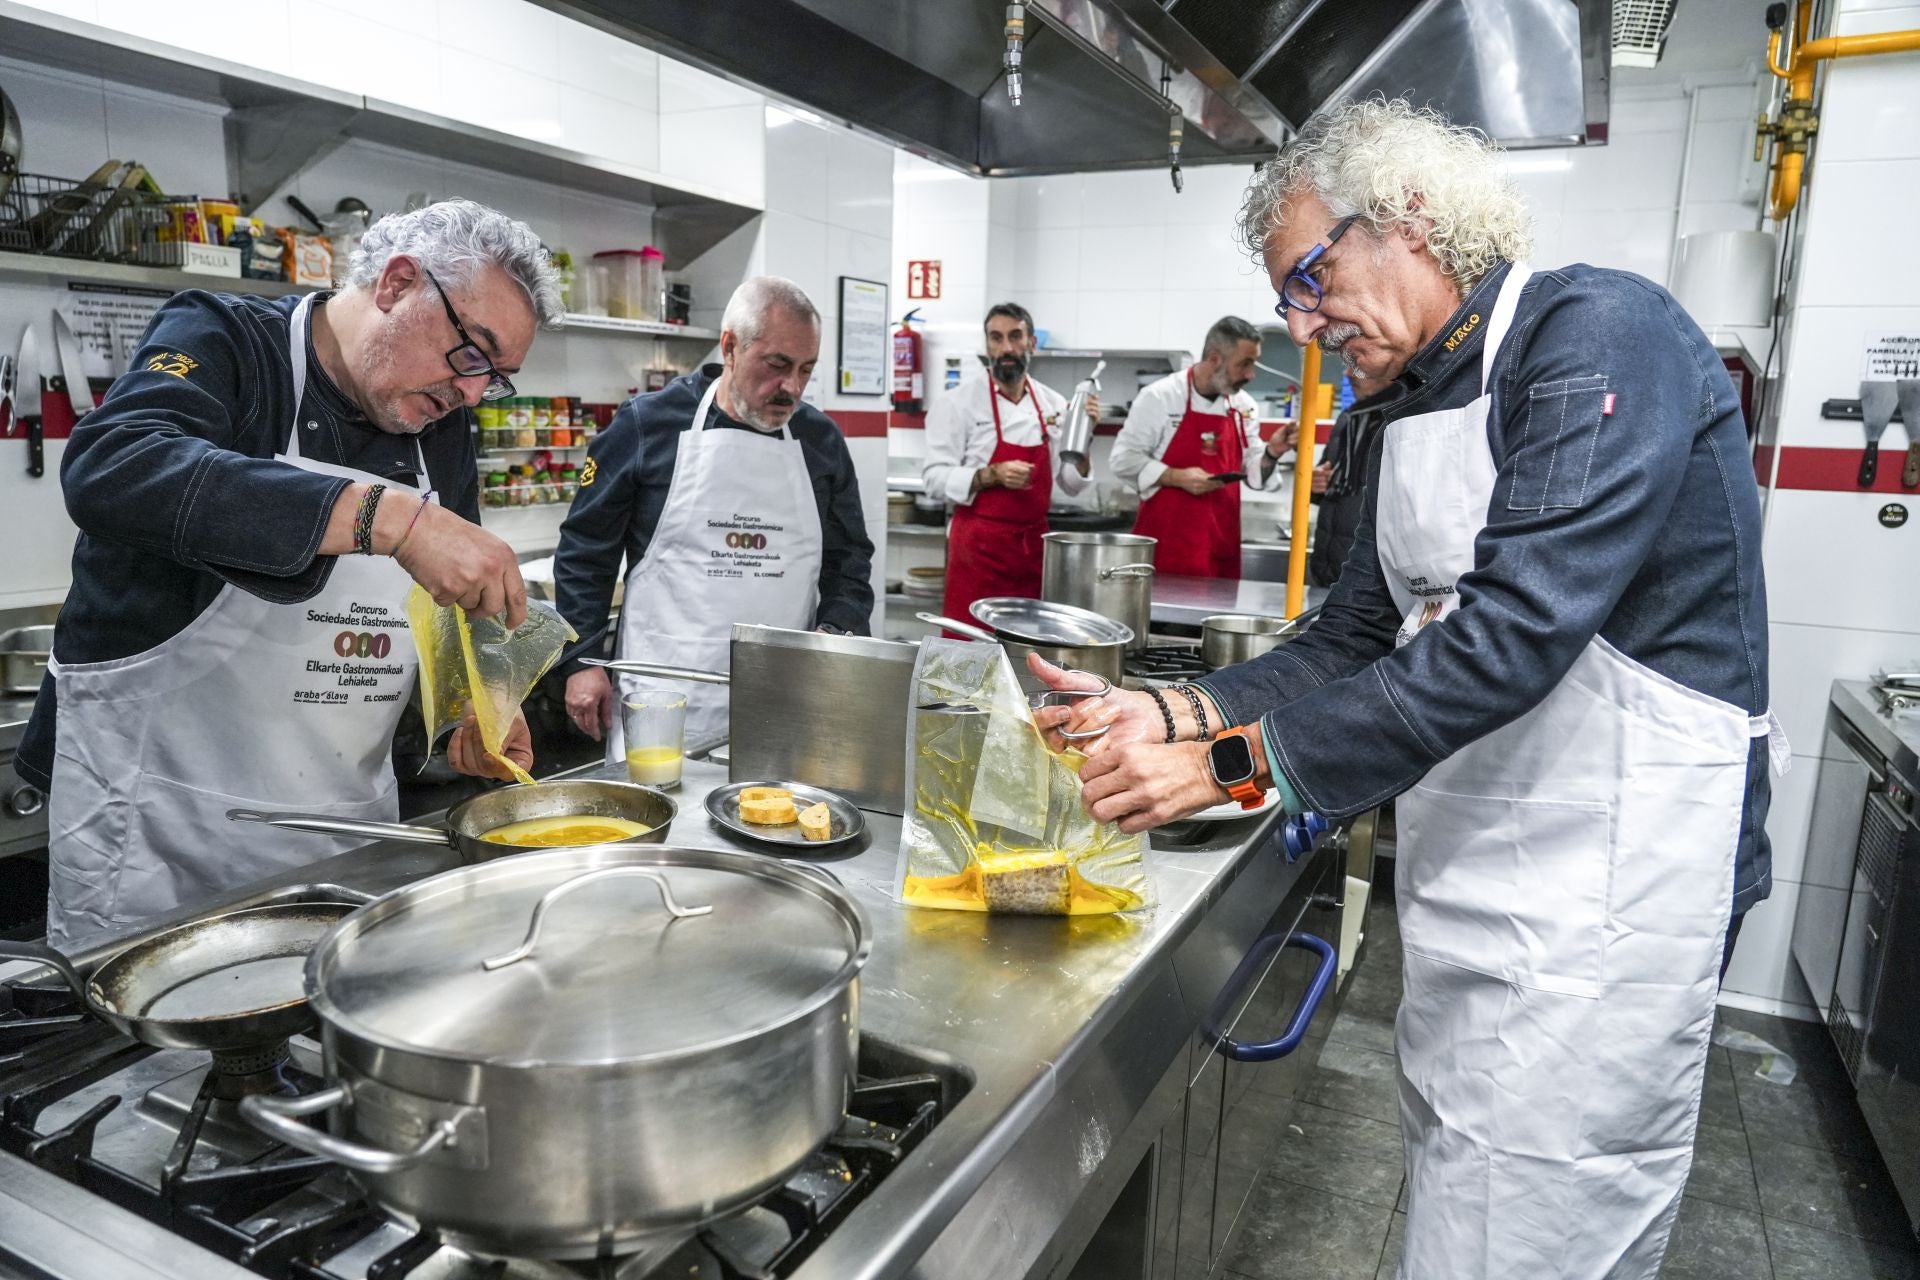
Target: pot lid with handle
pixel 1049 623
pixel 639 952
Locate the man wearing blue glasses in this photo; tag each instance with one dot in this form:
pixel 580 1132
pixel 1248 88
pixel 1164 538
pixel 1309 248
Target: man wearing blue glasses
pixel 1549 642
pixel 256 497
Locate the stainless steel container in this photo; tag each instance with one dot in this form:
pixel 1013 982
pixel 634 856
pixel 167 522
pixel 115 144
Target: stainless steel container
pixel 1076 639
pixel 539 1071
pixel 1110 574
pixel 1227 638
pixel 23 659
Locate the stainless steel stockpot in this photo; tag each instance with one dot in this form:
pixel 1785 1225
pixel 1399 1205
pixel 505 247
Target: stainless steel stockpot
pixel 1108 573
pixel 585 1051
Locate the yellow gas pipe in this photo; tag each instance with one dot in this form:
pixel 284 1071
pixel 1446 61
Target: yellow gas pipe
pixel 1797 122
pixel 1308 414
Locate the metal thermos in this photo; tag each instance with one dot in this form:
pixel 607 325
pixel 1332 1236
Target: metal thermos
pixel 1076 428
pixel 1108 573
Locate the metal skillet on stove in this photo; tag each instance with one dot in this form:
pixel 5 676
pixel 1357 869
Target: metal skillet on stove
pixel 221 983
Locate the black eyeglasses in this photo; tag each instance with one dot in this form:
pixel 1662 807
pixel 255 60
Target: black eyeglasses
pixel 467 359
pixel 1300 291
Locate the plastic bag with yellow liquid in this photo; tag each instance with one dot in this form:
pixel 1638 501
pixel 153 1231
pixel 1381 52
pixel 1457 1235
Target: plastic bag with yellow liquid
pixel 478 664
pixel 994 820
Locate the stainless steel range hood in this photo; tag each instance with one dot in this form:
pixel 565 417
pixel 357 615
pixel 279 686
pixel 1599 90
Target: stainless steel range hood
pixel 1104 77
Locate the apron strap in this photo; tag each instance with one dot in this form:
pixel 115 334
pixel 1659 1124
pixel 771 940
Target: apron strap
pixel 297 354
pixel 1779 750
pixel 1502 319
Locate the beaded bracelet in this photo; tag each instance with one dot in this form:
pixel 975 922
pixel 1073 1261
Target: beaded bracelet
pixel 1199 709
pixel 1165 711
pixel 425 498
pixel 363 523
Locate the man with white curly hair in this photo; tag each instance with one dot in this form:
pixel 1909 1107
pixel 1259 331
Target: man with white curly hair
pixel 256 497
pixel 1549 641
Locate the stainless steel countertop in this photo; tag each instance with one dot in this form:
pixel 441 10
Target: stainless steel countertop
pixel 1896 737
pixel 1191 600
pixel 1066 1025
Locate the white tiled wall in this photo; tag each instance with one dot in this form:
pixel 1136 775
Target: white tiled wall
pixel 1836 579
pixel 505 65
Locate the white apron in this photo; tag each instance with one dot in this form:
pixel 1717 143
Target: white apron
pixel 738 541
pixel 254 705
pixel 1564 887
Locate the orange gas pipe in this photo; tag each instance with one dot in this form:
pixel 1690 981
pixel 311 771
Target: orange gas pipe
pixel 1303 478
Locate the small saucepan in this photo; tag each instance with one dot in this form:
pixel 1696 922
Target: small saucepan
pixel 1077 639
pixel 1229 638
pixel 470 820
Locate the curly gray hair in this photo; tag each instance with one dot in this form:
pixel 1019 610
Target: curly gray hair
pixel 453 239
pixel 1393 164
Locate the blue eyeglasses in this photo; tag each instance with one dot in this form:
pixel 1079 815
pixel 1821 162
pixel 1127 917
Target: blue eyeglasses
pixel 1300 291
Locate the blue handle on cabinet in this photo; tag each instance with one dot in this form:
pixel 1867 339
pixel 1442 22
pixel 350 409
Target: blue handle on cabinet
pixel 1301 832
pixel 1269 1050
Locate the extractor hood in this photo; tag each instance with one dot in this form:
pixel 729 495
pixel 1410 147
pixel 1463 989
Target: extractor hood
pixel 1103 80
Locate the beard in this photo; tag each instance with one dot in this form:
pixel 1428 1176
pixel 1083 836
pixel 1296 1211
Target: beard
pixel 1009 367
pixel 1334 340
pixel 770 414
pixel 395 411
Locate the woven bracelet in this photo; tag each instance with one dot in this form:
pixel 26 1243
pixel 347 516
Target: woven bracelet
pixel 1199 709
pixel 363 523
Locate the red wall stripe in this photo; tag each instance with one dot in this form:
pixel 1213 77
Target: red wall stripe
pixel 1831 470
pixel 858 424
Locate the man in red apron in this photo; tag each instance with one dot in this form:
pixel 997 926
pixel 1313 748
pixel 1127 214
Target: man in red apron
pixel 990 452
pixel 1188 439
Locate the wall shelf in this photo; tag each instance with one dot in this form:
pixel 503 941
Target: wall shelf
pixel 276 125
pixel 44 267
pixel 637 328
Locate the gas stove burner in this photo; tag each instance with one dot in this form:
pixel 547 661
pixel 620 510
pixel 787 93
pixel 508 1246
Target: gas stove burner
pixel 1165 663
pixel 236 1073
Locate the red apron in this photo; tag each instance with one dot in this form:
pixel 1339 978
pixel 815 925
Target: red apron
pixel 993 543
pixel 1199 536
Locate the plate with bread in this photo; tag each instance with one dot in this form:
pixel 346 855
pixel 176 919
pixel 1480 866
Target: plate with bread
pixel 785 813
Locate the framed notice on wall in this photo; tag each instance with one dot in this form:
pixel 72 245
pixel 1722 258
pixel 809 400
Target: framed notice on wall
pixel 863 337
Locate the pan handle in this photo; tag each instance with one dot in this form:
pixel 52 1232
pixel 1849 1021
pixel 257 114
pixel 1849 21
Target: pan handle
pixel 633 667
pixel 1139 569
pixel 559 891
pixel 966 629
pixel 277 1117
pixel 44 954
pixel 345 826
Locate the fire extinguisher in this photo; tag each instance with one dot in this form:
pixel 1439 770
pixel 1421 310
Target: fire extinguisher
pixel 909 385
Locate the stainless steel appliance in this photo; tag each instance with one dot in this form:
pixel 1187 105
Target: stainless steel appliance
pixel 1110 574
pixel 1858 946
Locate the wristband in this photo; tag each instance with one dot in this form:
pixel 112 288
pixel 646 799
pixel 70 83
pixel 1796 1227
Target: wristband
pixel 1165 711
pixel 363 522
pixel 425 498
pixel 1199 709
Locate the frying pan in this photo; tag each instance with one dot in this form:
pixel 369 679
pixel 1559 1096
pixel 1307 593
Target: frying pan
pixel 229 981
pixel 471 819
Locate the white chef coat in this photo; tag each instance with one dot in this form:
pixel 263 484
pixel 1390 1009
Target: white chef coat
pixel 1154 418
pixel 961 439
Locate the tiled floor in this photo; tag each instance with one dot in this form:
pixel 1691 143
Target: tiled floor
pixel 1785 1181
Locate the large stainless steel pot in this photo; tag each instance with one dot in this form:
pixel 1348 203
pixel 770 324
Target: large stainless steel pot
pixel 533 1069
pixel 471 819
pixel 1110 574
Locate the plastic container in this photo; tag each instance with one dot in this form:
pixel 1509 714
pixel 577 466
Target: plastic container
pixel 635 281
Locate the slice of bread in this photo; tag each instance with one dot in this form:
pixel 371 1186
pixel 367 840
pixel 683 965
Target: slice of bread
pixel 816 822
pixel 770 811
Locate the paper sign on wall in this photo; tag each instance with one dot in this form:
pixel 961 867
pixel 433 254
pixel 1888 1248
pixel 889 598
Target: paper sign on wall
pixel 864 349
pixel 923 278
pixel 109 321
pixel 1891 356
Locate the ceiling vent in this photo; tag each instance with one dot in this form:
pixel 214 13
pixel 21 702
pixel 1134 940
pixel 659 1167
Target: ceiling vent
pixel 1640 31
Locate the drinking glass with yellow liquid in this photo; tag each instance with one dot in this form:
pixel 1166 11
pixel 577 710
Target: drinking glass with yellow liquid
pixel 655 724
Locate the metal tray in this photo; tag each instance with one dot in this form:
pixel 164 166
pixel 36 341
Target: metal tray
pixel 847 823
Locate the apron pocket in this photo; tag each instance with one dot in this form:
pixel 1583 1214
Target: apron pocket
pixel 1516 889
pixel 185 850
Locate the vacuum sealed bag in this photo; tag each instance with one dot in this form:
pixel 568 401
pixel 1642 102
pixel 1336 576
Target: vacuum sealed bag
pixel 994 820
pixel 476 663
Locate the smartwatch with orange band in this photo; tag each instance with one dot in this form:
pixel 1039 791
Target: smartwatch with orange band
pixel 1230 760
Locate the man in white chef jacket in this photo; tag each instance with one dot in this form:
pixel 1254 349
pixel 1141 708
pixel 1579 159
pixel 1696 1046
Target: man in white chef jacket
pixel 1186 439
pixel 993 452
pixel 1549 642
